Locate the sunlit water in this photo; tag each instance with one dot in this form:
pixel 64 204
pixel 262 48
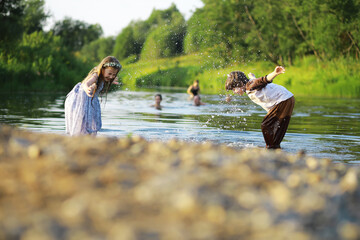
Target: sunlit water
pixel 323 127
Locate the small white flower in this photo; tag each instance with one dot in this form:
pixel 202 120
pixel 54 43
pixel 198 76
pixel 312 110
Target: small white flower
pixel 112 64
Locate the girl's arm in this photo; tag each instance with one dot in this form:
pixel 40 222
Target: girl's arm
pixel 188 90
pixel 89 85
pixel 116 81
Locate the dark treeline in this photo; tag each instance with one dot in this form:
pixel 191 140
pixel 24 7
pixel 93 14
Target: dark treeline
pixel 231 30
pixel 34 59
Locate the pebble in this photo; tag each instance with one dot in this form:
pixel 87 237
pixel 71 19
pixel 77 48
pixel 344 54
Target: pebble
pixel 61 187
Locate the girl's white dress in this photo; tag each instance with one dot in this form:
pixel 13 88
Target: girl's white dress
pixel 82 113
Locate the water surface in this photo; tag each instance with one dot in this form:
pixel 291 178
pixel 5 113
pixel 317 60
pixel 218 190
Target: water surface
pixel 323 127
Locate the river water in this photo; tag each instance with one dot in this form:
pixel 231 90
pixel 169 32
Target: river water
pixel 323 127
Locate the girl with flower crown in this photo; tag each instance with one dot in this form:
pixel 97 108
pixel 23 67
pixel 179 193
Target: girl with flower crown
pixel 82 107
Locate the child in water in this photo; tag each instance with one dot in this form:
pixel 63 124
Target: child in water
pixel 197 101
pixel 275 99
pixel 82 107
pixel 194 89
pixel 158 99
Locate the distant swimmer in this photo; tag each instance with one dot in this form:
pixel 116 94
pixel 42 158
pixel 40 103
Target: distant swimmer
pixel 194 89
pixel 158 99
pixel 197 101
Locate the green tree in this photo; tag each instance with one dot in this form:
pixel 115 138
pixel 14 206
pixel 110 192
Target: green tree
pixel 327 29
pixel 273 33
pixel 141 30
pixel 220 27
pixel 131 39
pixel 34 16
pixel 18 16
pixel 95 51
pixel 11 25
pixel 75 34
pixel 41 62
pixel 278 31
pixel 199 33
pixel 125 43
pixel 166 39
pixel 339 23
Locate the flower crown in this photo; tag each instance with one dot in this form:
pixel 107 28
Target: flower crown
pixel 112 64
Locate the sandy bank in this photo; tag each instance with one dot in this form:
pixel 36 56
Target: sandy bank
pixel 58 187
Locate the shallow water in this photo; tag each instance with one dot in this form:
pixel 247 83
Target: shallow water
pixel 323 127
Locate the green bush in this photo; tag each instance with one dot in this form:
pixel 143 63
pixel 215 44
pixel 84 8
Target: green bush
pixel 95 51
pixel 41 63
pixel 171 77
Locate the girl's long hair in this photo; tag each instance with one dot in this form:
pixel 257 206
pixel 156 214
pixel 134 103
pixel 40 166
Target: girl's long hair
pixel 99 69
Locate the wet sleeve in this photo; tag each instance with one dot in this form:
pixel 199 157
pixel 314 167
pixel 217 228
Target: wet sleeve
pixel 257 83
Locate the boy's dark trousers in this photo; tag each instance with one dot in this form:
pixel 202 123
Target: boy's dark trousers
pixel 276 122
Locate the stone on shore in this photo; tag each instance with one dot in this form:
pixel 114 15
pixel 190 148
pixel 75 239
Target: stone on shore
pixel 59 187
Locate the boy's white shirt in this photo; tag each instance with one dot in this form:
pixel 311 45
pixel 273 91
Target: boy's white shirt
pixel 269 96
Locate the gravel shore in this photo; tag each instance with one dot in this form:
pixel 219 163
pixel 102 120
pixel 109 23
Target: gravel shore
pixel 60 187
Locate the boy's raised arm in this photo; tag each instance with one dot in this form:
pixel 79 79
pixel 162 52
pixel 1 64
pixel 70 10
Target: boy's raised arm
pixel 278 70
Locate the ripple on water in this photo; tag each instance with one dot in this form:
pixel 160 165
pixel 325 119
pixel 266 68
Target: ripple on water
pixel 322 127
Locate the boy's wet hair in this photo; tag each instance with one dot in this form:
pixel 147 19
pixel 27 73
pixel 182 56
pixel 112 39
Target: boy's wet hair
pixel 158 94
pixel 235 79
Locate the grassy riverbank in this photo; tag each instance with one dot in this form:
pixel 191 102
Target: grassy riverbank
pixel 306 77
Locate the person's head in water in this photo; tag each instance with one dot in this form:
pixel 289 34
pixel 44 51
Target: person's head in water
pixel 197 101
pixel 158 99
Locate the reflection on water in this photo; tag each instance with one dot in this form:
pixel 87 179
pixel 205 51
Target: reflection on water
pixel 324 127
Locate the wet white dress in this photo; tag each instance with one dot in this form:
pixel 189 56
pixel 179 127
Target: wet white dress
pixel 82 113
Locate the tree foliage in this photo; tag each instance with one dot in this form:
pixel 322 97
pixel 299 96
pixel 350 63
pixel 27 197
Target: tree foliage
pixel 18 17
pixel 95 51
pixel 35 16
pixel 228 31
pixel 125 43
pixel 236 30
pixel 40 62
pixel 11 27
pixel 75 34
pixel 219 27
pixel 167 32
pixel 278 31
pixel 131 39
pixel 161 35
pixel 31 58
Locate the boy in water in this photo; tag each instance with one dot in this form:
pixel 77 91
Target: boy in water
pixel 275 99
pixel 197 101
pixel 158 99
